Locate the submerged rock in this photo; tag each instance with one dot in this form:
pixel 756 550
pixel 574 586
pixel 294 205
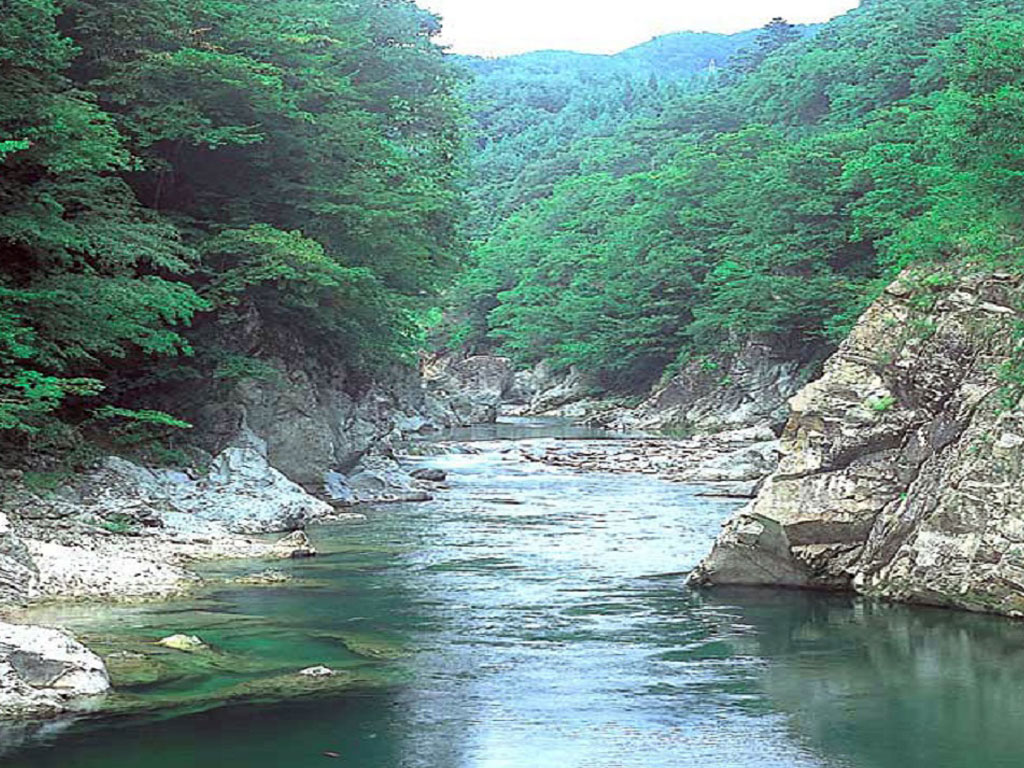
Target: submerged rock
pixel 186 643
pixel 263 578
pixel 44 672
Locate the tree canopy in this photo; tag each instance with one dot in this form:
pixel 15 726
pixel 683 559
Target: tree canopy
pixel 169 167
pixel 772 202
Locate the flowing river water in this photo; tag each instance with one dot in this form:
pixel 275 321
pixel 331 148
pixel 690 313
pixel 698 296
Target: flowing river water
pixel 534 617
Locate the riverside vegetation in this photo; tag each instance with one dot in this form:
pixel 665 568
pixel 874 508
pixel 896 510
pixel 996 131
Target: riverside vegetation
pixel 234 235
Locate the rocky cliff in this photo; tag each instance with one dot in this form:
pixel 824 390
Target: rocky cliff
pixel 742 388
pixel 316 417
pixel 316 414
pixel 901 470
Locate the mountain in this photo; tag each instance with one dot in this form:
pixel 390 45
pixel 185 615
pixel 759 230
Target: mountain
pixel 531 111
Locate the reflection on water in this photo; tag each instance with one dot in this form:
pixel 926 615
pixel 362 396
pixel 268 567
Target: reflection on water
pixel 889 685
pixel 556 633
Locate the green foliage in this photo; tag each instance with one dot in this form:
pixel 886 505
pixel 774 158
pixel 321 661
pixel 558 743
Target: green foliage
pixel 146 418
pixel 881 404
pixel 174 173
pixel 45 482
pixel 773 204
pixel 232 367
pixel 1011 372
pixel 538 116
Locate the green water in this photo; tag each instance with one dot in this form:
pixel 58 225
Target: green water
pixel 553 633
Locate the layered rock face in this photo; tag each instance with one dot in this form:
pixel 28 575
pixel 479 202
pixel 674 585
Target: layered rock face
pixel 468 391
pixel 746 388
pixel 901 467
pixel 18 573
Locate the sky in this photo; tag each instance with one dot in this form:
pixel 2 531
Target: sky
pixel 502 27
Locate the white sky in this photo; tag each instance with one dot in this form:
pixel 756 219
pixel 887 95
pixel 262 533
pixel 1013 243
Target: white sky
pixel 501 27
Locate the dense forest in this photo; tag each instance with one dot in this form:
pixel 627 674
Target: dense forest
pixel 530 113
pixel 772 202
pixel 176 171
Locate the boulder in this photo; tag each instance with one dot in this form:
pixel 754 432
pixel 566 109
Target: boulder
pixel 471 389
pixel 379 478
pixel 248 495
pixel 431 475
pixel 295 546
pixel 44 672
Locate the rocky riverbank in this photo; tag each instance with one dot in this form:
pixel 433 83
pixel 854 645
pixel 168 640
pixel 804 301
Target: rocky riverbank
pixel 901 473
pixel 122 531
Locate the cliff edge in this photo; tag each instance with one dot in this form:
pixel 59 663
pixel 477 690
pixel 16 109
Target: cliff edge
pixel 901 470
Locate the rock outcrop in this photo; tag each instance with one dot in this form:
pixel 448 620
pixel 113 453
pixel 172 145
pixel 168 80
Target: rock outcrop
pixel 18 573
pixel 742 389
pixel 314 419
pixel 469 391
pixel 551 390
pixel 125 531
pixel 901 470
pixel 240 493
pixel 44 672
pixel 314 413
pixel 737 390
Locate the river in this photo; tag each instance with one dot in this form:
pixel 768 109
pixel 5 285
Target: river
pixel 533 617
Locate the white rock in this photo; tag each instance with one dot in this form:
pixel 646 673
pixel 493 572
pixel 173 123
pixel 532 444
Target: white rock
pixel 186 643
pixel 42 670
pixel 317 672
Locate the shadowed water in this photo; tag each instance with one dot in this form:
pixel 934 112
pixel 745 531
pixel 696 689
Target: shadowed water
pixel 554 632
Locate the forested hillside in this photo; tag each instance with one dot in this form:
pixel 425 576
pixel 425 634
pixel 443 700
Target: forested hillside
pixel 771 204
pixel 531 112
pixel 178 174
pixel 173 172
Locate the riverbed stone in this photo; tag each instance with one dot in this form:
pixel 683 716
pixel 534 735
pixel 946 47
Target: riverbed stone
pixel 182 642
pixel 295 546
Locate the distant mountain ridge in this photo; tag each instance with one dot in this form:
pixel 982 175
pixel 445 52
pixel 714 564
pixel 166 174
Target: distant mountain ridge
pixel 532 110
pixel 678 54
pixel 673 55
